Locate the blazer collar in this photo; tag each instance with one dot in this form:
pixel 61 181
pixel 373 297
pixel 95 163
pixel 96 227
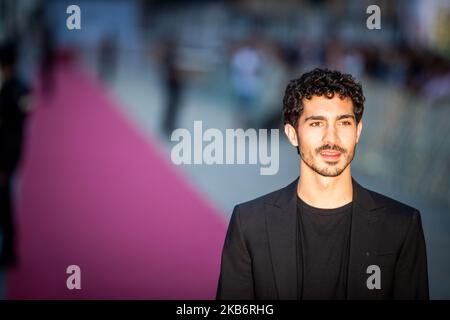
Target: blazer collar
pixel 361 196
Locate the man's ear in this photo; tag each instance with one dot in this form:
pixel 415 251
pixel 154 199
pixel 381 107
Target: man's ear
pixel 359 130
pixel 291 134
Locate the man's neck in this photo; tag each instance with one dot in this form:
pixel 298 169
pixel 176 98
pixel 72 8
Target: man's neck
pixel 325 192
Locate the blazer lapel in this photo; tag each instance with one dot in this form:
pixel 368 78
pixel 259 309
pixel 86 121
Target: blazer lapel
pixel 281 220
pixel 365 231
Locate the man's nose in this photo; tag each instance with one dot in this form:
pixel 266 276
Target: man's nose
pixel 331 136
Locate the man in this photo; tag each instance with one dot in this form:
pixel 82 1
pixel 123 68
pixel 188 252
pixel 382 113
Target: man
pixel 13 106
pixel 324 236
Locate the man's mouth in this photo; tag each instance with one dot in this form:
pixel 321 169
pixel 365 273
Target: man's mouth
pixel 330 155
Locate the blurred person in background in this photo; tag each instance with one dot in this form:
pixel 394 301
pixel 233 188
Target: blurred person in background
pixel 172 82
pixel 45 39
pixel 107 57
pixel 246 78
pixel 13 107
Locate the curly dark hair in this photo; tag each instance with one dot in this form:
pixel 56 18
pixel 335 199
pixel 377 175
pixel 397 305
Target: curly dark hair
pixel 321 82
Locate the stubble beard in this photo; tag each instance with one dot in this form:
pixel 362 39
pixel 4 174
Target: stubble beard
pixel 331 170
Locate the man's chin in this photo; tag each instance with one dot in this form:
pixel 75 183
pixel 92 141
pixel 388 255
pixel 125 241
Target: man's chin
pixel 330 170
pixel 331 163
pixel 329 174
pixel 328 165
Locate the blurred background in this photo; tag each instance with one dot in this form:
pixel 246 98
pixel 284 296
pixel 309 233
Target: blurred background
pixel 86 117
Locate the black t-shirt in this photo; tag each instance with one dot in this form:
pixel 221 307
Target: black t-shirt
pixel 325 242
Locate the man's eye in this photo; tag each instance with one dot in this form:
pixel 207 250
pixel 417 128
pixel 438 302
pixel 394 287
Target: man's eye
pixel 316 124
pixel 346 123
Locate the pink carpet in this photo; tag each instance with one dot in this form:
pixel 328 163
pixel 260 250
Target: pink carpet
pixel 96 194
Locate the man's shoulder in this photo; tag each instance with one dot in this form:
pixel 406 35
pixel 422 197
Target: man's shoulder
pixel 273 197
pixel 397 219
pixel 270 197
pixel 393 208
pixel 255 206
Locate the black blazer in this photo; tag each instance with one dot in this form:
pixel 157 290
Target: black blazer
pixel 259 258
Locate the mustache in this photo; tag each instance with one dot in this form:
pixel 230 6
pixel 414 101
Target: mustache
pixel 329 147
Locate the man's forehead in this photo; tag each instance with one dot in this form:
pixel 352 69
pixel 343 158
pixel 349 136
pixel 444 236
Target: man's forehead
pixel 326 106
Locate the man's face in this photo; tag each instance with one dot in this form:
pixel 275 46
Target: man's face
pixel 326 134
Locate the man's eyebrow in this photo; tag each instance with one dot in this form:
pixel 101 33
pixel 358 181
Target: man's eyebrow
pixel 340 117
pixel 315 118
pixel 345 116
